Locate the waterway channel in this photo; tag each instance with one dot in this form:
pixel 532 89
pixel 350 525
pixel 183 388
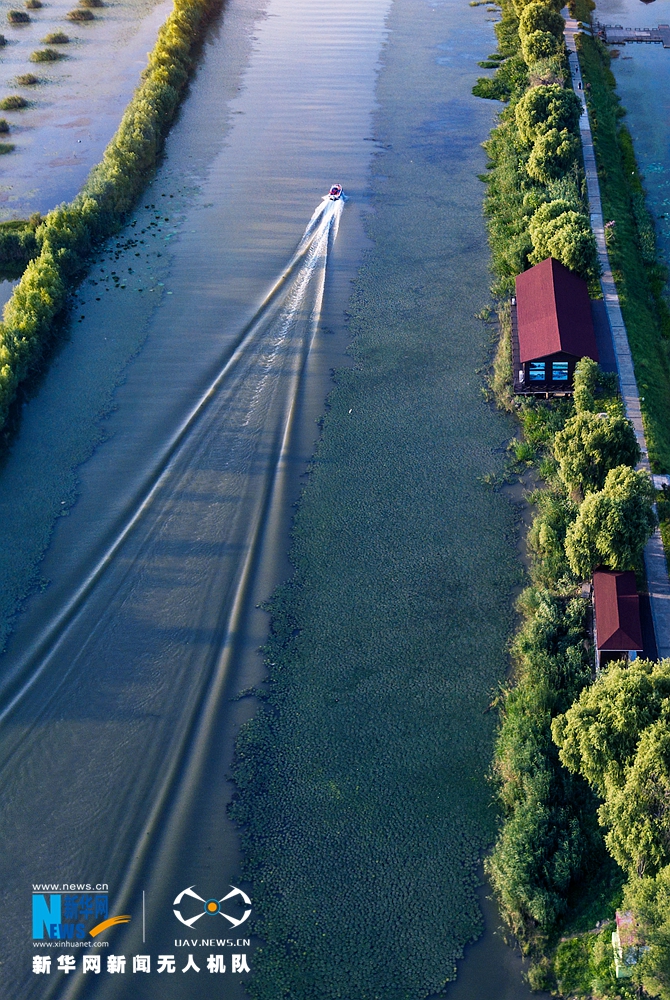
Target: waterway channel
pixel 146 500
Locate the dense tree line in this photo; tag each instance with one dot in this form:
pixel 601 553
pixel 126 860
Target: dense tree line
pixel 65 238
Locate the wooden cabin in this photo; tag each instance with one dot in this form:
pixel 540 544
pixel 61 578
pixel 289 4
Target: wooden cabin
pixel 552 329
pixel 617 625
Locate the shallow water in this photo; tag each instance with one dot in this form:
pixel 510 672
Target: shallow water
pixel 76 107
pixel 159 458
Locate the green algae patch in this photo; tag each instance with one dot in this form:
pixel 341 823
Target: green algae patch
pixel 362 788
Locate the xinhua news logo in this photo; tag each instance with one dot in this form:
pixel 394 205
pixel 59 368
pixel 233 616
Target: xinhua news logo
pixel 66 916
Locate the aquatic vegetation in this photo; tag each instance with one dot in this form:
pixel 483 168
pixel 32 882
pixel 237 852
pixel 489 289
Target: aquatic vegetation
pixel 91 3
pixel 46 55
pixel 13 103
pixel 80 14
pixel 6 147
pixel 56 38
pixel 4 125
pixel 67 235
pixel 27 80
pixel 3 41
pixel 18 17
pixel 34 4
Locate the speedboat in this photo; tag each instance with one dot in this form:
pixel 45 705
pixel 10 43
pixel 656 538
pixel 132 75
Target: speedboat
pixel 335 192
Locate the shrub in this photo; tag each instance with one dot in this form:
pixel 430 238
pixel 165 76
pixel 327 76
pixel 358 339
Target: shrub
pixel 56 38
pixel 4 125
pixel 27 80
pixel 544 108
pixel 546 538
pixel 46 55
pixel 18 17
pixel 589 446
pixel 79 15
pixel 649 899
pixel 6 147
pixel 613 525
pixel 13 103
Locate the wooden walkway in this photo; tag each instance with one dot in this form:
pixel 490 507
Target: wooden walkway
pixel 654 556
pixel 615 34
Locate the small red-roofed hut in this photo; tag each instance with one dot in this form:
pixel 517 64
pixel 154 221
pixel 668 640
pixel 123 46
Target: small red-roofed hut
pixel 552 328
pixel 618 630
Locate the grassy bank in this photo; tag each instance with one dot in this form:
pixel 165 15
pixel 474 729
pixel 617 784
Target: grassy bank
pixel 639 278
pixel 61 243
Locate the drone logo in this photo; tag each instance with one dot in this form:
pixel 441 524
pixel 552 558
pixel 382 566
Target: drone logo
pixel 212 906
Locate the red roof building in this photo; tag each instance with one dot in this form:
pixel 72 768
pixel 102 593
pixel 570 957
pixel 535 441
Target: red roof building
pixel 618 630
pixel 552 328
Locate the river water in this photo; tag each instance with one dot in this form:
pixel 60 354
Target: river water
pixel 147 497
pixel 642 73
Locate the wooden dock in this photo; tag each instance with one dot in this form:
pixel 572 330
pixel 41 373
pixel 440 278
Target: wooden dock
pixel 615 34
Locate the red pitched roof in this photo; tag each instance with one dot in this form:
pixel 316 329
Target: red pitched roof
pixel 553 313
pixel 617 608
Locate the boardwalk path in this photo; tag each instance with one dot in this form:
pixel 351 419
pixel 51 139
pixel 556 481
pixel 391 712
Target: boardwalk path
pixel 615 34
pixel 654 557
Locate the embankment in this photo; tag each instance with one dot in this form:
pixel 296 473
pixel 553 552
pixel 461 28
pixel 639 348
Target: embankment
pixel 68 234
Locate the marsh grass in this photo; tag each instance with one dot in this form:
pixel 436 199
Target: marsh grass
pixel 18 17
pixel 3 41
pixel 6 147
pixel 56 38
pixel 4 125
pixel 80 14
pixel 91 3
pixel 13 103
pixel 34 4
pixel 46 55
pixel 27 80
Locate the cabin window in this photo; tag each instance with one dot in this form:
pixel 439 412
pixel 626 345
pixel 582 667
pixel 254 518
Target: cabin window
pixel 537 371
pixel 559 371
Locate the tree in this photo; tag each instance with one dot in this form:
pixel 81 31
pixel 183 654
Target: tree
pixel 649 899
pixel 544 108
pixel 539 45
pixel 538 16
pixel 599 734
pixel 613 525
pixel 590 445
pixel 554 153
pixel 637 813
pixel 558 231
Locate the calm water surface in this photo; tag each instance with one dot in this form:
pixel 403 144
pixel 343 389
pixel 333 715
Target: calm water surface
pixel 146 501
pixel 643 82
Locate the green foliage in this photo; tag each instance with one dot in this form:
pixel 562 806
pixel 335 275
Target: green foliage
pixel 546 539
pixel 56 38
pixel 548 835
pixel 539 45
pixel 13 103
pixel 540 16
pixel 46 55
pixel 649 899
pixel 565 235
pixel 553 154
pixel 613 525
pixel 590 445
pixel 542 109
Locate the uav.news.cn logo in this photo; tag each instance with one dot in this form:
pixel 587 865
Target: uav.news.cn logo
pixel 211 907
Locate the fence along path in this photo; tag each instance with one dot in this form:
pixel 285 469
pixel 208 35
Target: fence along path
pixel 654 556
